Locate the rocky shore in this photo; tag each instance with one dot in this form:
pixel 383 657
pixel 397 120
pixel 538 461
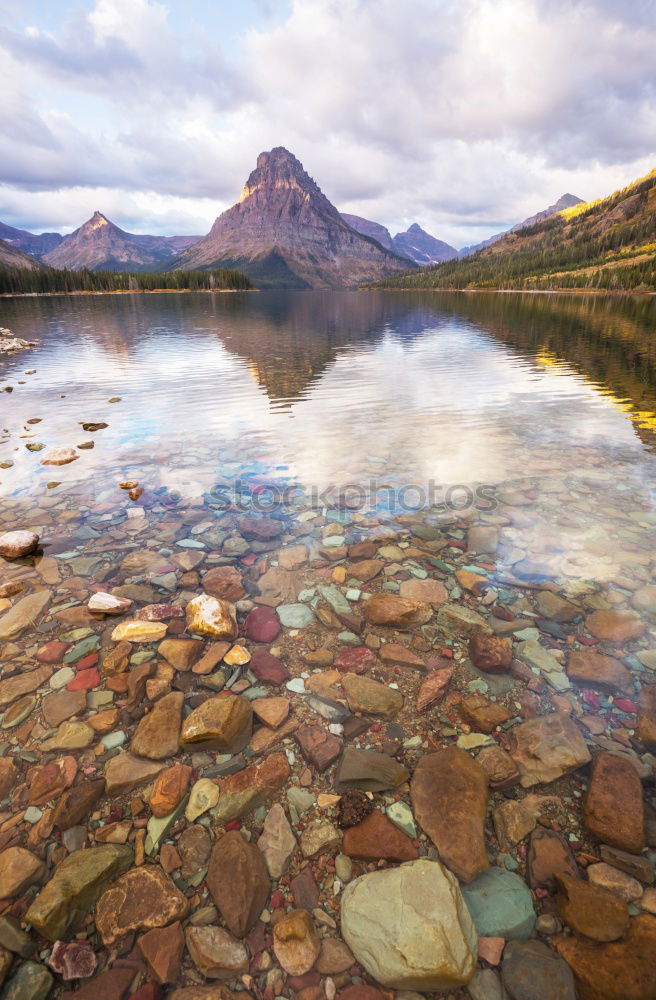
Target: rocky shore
pixel 10 344
pixel 322 755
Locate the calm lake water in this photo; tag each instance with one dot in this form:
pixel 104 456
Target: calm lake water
pixel 377 391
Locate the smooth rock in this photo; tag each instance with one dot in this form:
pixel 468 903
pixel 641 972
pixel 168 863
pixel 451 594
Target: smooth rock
pixel 531 971
pixel 501 905
pixel 23 614
pixel 395 612
pixel 170 789
pixel 19 869
pixel 161 949
pixel 223 722
pixel 252 787
pixel 490 653
pixel 134 630
pixel 210 616
pixel 369 770
pixel 591 669
pixel 377 837
pixel 203 796
pixel 296 943
pixel 590 910
pixel 371 697
pixel 410 928
pixel 158 733
pixel 615 626
pixel 216 953
pixel 619 970
pixel 125 772
pixel 16 544
pixel 76 884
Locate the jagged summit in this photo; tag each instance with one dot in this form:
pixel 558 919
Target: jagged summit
pixel 423 248
pixel 285 232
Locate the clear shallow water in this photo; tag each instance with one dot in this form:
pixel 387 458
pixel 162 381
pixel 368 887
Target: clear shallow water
pixel 346 389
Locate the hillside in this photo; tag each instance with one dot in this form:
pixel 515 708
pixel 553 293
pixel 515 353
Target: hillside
pixel 13 259
pixel 284 233
pixel 565 201
pixel 608 244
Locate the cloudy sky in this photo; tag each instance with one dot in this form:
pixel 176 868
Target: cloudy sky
pixel 463 115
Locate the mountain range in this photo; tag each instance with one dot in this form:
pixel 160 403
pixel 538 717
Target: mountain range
pixel 284 232
pixel 415 243
pixel 609 244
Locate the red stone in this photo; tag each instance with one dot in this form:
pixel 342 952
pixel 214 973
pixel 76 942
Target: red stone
pixel 355 661
pixel 84 680
pixel 86 662
pixel 377 837
pixel 261 625
pixel 268 668
pixel 318 746
pixel 52 652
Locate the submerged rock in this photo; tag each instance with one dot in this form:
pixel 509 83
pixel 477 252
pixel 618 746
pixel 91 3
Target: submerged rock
pixel 16 544
pixel 410 928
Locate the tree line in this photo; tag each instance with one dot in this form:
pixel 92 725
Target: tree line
pixel 596 247
pixel 51 279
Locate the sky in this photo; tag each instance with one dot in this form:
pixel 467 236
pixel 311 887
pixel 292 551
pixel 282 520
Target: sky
pixel 463 115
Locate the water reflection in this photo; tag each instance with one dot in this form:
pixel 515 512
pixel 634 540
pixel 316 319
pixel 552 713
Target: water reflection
pixel 326 388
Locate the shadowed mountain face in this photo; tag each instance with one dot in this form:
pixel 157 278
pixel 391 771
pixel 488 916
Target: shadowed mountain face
pixel 99 245
pixel 11 257
pixel 423 248
pixel 565 201
pixel 283 232
pixel 372 229
pixel 35 245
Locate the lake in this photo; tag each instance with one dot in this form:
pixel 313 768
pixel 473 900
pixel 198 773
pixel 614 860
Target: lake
pixel 356 401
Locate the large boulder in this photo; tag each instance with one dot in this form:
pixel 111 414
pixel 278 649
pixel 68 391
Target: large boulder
pixel 409 927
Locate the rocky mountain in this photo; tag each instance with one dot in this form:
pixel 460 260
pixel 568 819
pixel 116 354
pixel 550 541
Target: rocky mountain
pixel 12 258
pixel 565 201
pixel 423 248
pixel 99 245
pixel 283 232
pixel 34 244
pixel 372 229
pixel 605 244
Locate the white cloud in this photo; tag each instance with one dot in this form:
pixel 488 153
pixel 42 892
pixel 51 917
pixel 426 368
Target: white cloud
pixel 466 115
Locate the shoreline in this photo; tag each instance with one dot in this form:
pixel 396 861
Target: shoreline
pixel 128 291
pixel 520 291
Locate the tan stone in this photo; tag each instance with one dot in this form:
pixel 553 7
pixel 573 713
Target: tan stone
pixel 546 748
pixel 296 943
pixel 615 626
pixel 211 616
pixel 19 869
pixel 395 612
pixel 371 697
pixel 224 722
pixel 134 630
pixel 216 953
pixel 158 733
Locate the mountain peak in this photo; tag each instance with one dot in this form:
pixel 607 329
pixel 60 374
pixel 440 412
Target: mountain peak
pixel 415 228
pixel 284 231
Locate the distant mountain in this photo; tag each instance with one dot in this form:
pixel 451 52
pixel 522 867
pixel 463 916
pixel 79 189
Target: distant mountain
pixel 99 245
pixel 565 201
pixel 12 258
pixel 283 232
pixel 605 244
pixel 423 248
pixel 373 230
pixel 35 245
